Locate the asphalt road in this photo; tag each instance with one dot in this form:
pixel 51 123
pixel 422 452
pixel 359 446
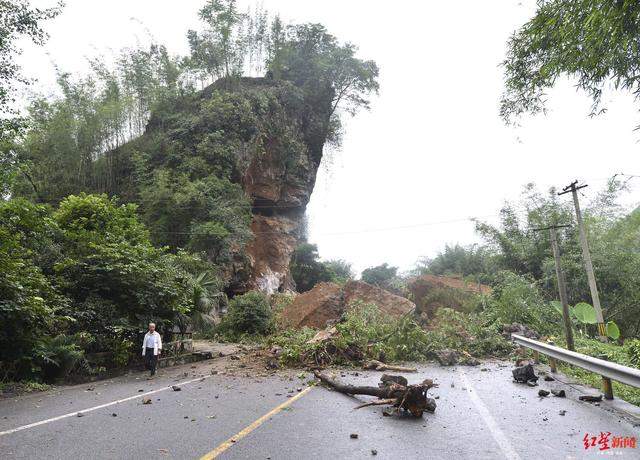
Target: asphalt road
pixel 481 414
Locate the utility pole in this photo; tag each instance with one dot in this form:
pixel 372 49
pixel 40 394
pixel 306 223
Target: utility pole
pixel 562 287
pixel 573 187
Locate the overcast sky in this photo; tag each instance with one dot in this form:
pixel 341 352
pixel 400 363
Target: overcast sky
pixel 432 152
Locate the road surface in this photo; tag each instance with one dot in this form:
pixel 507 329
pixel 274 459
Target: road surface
pixel 481 414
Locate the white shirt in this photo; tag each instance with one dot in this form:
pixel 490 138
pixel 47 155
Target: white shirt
pixel 152 340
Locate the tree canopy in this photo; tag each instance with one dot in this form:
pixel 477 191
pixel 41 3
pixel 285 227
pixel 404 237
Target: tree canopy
pixel 592 42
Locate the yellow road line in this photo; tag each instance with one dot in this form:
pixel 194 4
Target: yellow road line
pixel 241 434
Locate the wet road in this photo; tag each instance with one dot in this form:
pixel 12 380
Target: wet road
pixel 481 414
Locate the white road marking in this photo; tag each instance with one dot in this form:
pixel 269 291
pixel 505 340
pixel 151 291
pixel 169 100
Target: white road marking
pixel 498 435
pixel 101 406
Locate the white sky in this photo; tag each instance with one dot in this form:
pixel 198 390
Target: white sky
pixel 432 149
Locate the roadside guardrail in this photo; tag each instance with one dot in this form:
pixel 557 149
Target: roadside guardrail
pixel 608 370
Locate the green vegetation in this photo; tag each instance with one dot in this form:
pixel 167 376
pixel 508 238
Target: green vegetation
pixel 628 355
pixel 122 195
pixel 81 278
pixel 249 314
pixel 308 270
pixel 519 259
pixel 519 265
pixel 379 275
pixel 592 42
pixel 19 22
pixel 365 333
pixel 385 277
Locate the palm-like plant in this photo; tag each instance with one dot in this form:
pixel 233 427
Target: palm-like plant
pixel 205 298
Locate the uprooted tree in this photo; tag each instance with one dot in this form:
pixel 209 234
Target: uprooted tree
pixel 393 390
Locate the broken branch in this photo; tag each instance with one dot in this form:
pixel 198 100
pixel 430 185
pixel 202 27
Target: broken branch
pixel 375 365
pixel 393 390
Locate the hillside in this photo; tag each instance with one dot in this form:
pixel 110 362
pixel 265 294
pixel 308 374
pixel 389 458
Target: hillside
pixel 263 136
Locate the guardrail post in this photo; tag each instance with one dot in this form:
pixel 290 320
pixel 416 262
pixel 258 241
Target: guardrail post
pixel 607 386
pixel 536 357
pixel 553 364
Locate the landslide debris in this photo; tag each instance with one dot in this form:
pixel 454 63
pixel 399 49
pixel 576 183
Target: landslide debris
pixel 432 292
pixel 326 303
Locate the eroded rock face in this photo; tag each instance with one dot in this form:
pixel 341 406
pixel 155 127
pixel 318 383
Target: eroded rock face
pixel 269 253
pixel 327 302
pixel 279 177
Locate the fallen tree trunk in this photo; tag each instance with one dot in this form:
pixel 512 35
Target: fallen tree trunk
pixel 393 390
pixel 374 365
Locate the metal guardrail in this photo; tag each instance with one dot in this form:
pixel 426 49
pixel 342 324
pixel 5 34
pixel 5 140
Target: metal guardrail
pixel 608 370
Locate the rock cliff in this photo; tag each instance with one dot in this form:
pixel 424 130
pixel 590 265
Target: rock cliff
pixel 279 179
pixel 263 135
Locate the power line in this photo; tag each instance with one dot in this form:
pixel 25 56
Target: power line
pixel 357 232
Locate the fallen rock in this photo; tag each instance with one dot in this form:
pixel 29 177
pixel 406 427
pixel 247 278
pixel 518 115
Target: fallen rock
pixel 590 398
pixel 272 363
pixel 276 350
pixel 316 307
pixel 543 393
pixel 323 336
pixel 176 388
pixel 548 378
pixel 520 329
pixel 146 401
pixel 558 393
pixel 469 360
pixel 353 435
pixel 390 304
pixel 562 412
pixel 327 302
pixel 447 357
pixel 525 374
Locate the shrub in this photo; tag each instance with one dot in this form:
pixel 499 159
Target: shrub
pixel 366 333
pixel 472 333
pixel 59 356
pixel 632 348
pixel 517 299
pixel 247 314
pixel 380 275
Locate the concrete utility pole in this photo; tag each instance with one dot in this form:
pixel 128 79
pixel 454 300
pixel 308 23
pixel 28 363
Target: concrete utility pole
pixel 573 187
pixel 562 287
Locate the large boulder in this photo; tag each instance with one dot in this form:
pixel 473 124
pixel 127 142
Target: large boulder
pixel 327 302
pixel 431 292
pixel 389 303
pixel 315 308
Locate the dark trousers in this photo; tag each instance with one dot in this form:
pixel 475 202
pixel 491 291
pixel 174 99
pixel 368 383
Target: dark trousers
pixel 150 360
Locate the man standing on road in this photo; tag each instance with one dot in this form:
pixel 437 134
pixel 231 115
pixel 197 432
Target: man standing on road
pixel 151 348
